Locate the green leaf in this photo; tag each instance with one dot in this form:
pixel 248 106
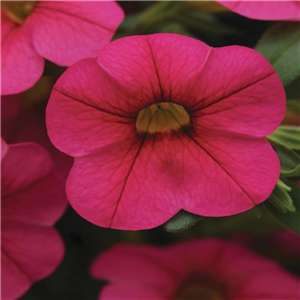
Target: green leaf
pixel 289 159
pixel 286 141
pixel 287 136
pixel 283 186
pixel 292 174
pixel 290 163
pixel 290 220
pixel 181 221
pixel 280 45
pixel 281 200
pixel 176 28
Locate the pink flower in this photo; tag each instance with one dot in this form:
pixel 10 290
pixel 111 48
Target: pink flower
pixel 163 122
pixel 26 123
pixel 288 242
pixel 33 200
pixel 265 10
pixel 207 269
pixel 60 31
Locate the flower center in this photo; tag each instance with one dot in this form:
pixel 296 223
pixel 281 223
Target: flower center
pixel 18 11
pixel 162 117
pixel 198 291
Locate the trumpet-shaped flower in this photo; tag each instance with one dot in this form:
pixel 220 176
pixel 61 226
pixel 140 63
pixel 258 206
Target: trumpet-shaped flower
pixel 208 269
pixel 163 122
pixel 265 10
pixel 33 200
pixel 60 31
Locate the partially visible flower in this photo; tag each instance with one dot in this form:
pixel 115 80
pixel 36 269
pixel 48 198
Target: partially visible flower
pixel 288 242
pixel 208 269
pixel 23 120
pixel 60 31
pixel 33 200
pixel 265 10
pixel 163 122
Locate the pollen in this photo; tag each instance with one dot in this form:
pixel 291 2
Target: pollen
pixel 162 117
pixel 18 11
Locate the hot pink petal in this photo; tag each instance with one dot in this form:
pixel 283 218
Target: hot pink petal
pixel 21 65
pixel 239 274
pixel 129 61
pixel 126 263
pixel 265 10
pixel 15 282
pixel 24 165
pixel 27 205
pixel 132 292
pixel 232 267
pixel 92 104
pixel 3 148
pixel 270 285
pixel 240 100
pixel 245 164
pixel 149 181
pixel 157 67
pixel 65 32
pixel 29 253
pixel 32 200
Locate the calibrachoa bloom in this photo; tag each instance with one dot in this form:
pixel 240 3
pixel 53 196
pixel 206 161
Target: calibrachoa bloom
pixel 33 200
pixel 208 269
pixel 26 123
pixel 60 31
pixel 265 10
pixel 163 122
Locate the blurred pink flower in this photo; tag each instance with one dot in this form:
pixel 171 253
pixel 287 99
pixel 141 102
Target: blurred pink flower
pixel 33 199
pixel 60 31
pixel 163 122
pixel 23 121
pixel 288 242
pixel 207 269
pixel 265 10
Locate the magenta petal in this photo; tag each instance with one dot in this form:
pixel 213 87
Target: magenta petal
pixel 32 200
pixel 245 166
pixel 158 66
pixel 4 148
pixel 238 90
pixel 28 206
pixel 21 65
pixel 15 282
pixel 92 104
pixel 129 61
pixel 126 263
pixel 136 185
pixel 29 253
pixel 132 292
pixel 28 173
pixel 265 10
pixel 269 285
pixel 67 31
pixel 24 165
pixel 228 268
pixel 113 188
pixel 179 61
